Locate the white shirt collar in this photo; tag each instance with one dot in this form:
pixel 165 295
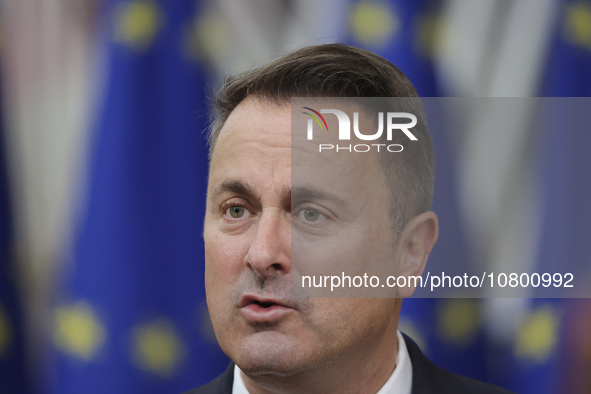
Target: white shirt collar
pixel 238 387
pixel 400 382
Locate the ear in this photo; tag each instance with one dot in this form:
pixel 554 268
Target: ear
pixel 415 244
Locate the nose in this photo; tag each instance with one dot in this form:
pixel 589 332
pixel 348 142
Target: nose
pixel 270 251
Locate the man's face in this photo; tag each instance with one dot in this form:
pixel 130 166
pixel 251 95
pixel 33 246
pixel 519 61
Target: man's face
pixel 249 226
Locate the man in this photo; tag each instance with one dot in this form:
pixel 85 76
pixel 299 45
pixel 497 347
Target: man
pixel 276 208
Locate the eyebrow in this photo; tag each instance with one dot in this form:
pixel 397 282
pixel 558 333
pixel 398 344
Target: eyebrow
pixel 235 186
pixel 244 189
pixel 288 194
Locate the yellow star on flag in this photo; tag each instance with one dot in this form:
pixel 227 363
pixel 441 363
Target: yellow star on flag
pixel 77 330
pixel 207 36
pixel 459 320
pixel 136 23
pixel 373 23
pixel 577 27
pixel 538 335
pixel 157 348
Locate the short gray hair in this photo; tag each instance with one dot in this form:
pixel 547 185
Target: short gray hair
pixel 338 70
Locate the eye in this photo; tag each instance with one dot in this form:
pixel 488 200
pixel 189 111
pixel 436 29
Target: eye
pixel 237 212
pixel 311 215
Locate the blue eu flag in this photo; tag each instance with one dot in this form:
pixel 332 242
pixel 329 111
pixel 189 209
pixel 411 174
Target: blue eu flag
pixel 404 32
pixel 407 33
pixel 133 317
pixel 562 137
pixel 12 361
pixel 569 59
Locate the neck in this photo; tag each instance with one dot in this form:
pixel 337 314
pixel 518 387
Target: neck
pixel 365 370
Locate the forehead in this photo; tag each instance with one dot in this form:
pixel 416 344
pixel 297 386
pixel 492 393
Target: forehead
pixel 256 145
pixel 253 146
pixel 340 164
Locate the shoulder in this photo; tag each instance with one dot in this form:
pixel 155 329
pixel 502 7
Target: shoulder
pixel 220 385
pixel 429 378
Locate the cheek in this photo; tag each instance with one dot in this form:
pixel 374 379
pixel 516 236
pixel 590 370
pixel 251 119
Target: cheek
pixel 351 251
pixel 224 257
pixel 347 321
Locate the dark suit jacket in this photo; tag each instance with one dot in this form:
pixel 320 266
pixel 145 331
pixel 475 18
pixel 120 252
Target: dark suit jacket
pixel 427 378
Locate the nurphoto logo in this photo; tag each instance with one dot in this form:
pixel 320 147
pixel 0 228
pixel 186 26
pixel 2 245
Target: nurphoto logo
pixel 344 132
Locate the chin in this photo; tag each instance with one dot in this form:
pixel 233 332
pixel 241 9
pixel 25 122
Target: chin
pixel 270 353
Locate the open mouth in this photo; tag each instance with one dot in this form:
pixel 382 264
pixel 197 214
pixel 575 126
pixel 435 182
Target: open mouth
pixel 264 304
